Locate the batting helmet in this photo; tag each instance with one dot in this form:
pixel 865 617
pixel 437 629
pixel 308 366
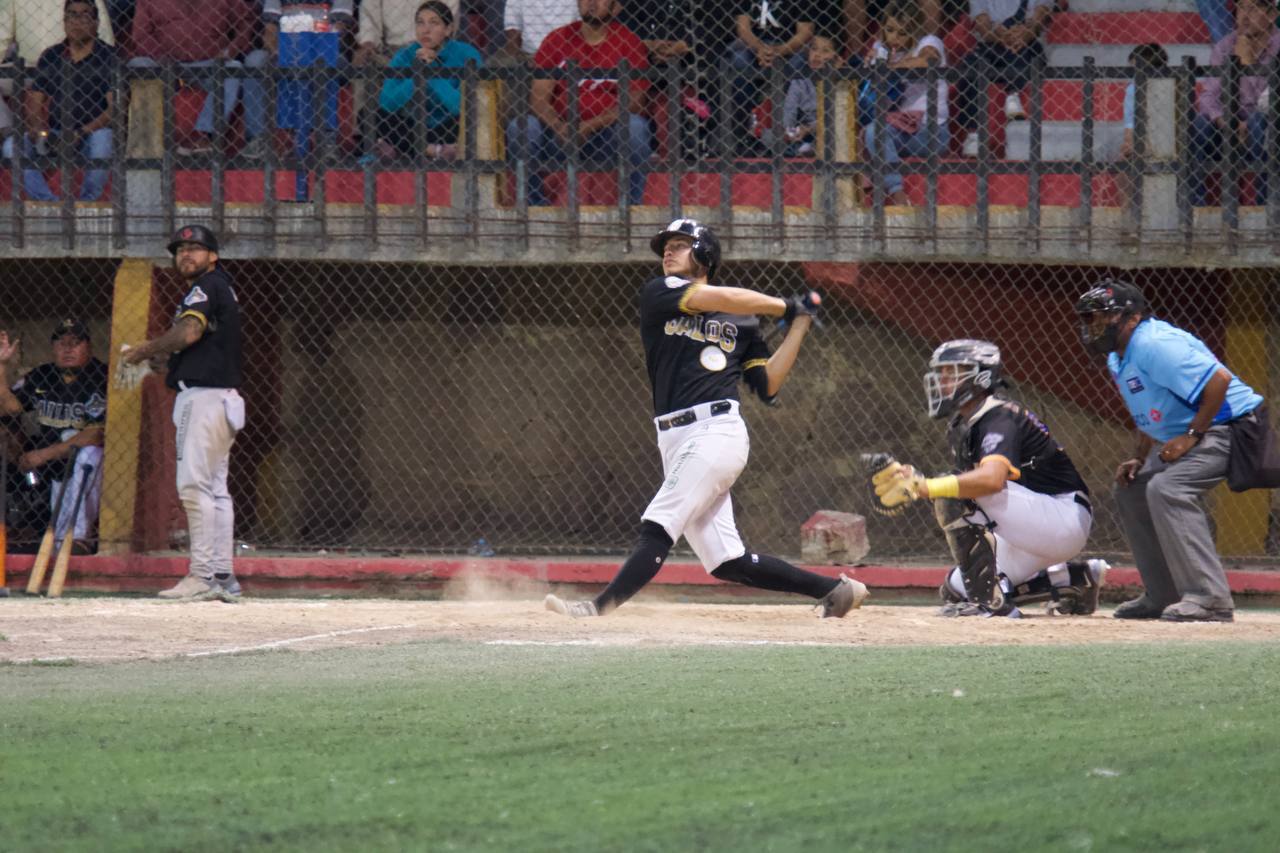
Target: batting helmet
pixel 1116 299
pixel 978 374
pixel 706 245
pixel 197 234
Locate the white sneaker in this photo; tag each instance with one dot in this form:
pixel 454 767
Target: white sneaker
pixel 970 148
pixel 572 609
pixel 1013 110
pixel 255 149
pixel 193 588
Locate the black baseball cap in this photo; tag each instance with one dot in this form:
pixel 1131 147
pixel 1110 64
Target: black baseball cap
pixel 70 326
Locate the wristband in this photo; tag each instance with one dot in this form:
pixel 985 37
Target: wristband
pixel 1195 433
pixel 943 487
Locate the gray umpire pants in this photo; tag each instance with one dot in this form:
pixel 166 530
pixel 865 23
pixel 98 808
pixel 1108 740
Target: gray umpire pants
pixel 1165 520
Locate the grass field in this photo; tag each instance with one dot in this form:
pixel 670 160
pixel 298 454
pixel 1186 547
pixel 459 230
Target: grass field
pixel 465 746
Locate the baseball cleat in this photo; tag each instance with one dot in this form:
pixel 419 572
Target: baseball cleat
pixel 193 588
pixel 572 609
pixel 848 595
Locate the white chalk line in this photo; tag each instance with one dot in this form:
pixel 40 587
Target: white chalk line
pixel 629 641
pixel 289 641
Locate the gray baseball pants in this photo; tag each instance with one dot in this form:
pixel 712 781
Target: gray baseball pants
pixel 207 420
pixel 1167 525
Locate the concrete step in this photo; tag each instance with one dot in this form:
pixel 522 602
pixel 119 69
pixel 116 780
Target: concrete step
pixel 1117 55
pixel 1100 6
pixel 1062 140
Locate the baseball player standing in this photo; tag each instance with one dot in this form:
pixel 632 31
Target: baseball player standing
pixel 204 369
pixel 1016 510
pixel 700 340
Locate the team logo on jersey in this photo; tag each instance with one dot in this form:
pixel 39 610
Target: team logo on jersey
pixel 713 359
pixel 1135 385
pixel 1156 416
pixel 990 442
pixel 699 328
pixel 196 295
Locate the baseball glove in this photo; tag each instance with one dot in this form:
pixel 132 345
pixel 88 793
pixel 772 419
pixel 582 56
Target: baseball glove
pixel 894 483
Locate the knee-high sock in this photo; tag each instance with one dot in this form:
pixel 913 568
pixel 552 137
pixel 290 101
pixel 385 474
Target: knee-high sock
pixel 766 572
pixel 645 561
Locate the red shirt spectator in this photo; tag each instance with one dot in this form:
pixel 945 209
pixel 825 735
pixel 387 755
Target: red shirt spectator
pixel 182 31
pixel 596 95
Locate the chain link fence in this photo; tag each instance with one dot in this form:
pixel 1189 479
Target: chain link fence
pixel 421 408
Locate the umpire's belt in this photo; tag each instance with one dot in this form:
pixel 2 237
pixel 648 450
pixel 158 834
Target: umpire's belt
pixel 694 414
pixel 1079 498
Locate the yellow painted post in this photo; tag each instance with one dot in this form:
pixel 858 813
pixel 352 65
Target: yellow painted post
pixel 130 310
pixel 1242 518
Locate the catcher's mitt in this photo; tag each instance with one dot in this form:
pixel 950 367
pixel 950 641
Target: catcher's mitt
pixel 893 482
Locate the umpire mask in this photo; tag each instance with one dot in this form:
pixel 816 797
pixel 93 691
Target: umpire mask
pixel 1102 311
pixel 960 371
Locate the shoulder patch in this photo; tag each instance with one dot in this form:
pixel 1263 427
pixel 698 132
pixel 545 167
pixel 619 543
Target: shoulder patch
pixel 990 442
pixel 674 281
pixel 196 295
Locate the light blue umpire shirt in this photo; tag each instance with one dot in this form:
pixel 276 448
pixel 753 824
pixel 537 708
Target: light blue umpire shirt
pixel 1163 374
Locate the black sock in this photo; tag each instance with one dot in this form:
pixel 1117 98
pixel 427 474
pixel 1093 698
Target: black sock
pixel 645 561
pixel 766 572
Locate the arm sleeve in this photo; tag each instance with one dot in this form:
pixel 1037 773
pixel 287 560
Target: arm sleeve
pixel 664 298
pixel 998 436
pixel 370 23
pixel 754 365
pixel 104 24
pixel 397 93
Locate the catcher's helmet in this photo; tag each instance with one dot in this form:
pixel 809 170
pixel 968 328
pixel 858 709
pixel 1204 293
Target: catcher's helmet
pixel 706 245
pixel 978 374
pixel 1116 299
pixel 197 234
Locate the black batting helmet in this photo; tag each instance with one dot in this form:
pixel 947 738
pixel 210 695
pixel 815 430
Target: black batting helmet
pixel 1114 298
pixel 978 374
pixel 706 245
pixel 197 234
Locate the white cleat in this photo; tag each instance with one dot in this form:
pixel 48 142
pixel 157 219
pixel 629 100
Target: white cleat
pixel 572 609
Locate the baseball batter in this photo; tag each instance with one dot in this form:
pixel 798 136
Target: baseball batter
pixel 1016 510
pixel 701 340
pixel 204 369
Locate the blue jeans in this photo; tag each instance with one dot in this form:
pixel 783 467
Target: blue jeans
pixel 96 146
pixel 600 149
pixel 1208 145
pixel 747 90
pixel 253 119
pixel 899 144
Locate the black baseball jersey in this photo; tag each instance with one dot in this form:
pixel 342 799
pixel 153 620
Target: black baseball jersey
pixel 1009 431
pixel 59 404
pixel 214 360
pixel 695 357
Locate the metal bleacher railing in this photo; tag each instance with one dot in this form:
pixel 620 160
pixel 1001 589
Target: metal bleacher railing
pixel 1063 198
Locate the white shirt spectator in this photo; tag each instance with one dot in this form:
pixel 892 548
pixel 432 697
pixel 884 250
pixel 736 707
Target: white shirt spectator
pixel 533 19
pixel 37 24
pixel 916 96
pixel 390 23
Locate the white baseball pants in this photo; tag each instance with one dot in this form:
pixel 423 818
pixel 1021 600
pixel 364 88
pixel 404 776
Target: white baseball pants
pixel 700 463
pixel 207 420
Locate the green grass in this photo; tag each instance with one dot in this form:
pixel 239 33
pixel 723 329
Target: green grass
pixel 450 746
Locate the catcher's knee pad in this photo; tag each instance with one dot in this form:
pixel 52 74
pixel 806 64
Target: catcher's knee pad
pixel 977 562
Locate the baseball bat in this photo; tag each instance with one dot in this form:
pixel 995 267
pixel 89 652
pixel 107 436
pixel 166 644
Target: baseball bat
pixel 64 553
pixel 41 564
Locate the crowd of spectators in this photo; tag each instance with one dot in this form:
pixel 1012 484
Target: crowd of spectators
pixel 730 47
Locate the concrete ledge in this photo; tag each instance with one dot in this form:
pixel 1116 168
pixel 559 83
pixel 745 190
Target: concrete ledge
pixel 140 573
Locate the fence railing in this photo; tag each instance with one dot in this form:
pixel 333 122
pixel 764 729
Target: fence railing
pixel 334 187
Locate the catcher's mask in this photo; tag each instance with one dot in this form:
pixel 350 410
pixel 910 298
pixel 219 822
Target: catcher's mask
pixel 973 370
pixel 1116 301
pixel 706 245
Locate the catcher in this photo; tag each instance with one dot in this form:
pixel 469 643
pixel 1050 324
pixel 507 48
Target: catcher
pixel 1016 512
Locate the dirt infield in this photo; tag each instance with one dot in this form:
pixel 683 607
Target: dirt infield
pixel 106 629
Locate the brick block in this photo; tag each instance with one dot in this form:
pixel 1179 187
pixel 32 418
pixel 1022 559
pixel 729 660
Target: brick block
pixel 834 538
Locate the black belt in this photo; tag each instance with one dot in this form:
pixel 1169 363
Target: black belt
pixel 723 407
pixel 1083 501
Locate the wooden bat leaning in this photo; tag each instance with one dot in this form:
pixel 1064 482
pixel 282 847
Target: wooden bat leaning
pixel 64 553
pixel 46 543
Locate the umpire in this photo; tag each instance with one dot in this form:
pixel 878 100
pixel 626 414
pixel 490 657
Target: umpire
pixel 204 368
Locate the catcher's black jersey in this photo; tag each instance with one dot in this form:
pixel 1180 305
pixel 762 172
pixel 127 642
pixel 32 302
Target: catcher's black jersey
pixel 60 405
pixel 1009 431
pixel 214 360
pixel 693 357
